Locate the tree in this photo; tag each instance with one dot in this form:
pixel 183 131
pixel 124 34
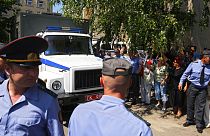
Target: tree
pixel 7 17
pixel 159 24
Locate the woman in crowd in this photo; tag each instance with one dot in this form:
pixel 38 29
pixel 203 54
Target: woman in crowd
pixel 160 76
pixel 179 96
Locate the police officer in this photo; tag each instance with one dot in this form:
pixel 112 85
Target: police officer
pixel 198 73
pixel 134 88
pixel 25 108
pixel 2 73
pixel 109 116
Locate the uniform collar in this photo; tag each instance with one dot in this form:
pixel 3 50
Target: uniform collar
pixel 202 64
pixel 31 93
pixel 4 92
pixel 112 99
pixel 3 88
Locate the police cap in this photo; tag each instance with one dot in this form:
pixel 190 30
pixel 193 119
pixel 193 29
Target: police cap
pixel 24 51
pixel 111 65
pixel 206 53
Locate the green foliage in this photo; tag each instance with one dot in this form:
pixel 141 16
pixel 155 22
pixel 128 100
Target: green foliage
pixel 7 12
pixel 205 15
pixel 159 24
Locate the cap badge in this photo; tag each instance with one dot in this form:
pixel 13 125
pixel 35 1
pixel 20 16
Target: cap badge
pixel 32 56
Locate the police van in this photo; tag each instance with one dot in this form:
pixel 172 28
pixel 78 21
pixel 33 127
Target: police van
pixel 69 69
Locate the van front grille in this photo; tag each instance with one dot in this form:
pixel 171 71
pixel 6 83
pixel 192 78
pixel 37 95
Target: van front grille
pixel 87 79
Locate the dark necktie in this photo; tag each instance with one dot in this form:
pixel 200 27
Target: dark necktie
pixel 202 75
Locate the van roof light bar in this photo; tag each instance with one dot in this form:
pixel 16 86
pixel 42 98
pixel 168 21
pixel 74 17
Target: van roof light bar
pixel 76 30
pixel 64 29
pixel 53 28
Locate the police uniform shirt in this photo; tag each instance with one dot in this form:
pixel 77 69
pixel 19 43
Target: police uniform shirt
pixel 2 77
pixel 106 117
pixel 193 73
pixel 34 114
pixel 135 65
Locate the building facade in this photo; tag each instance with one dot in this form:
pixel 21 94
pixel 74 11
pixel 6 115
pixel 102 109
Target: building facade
pixel 35 6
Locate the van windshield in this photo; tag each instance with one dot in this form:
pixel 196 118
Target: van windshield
pixel 67 45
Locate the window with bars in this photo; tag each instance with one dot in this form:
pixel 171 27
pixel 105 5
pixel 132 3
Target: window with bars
pixel 40 3
pixel 18 1
pixel 29 2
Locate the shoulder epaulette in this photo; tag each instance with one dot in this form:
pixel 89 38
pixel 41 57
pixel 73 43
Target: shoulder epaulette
pixel 51 93
pixel 136 115
pixel 195 61
pixel 48 91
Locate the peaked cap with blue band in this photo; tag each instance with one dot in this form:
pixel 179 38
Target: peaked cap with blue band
pixel 24 51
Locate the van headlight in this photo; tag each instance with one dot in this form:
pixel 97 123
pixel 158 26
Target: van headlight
pixel 56 85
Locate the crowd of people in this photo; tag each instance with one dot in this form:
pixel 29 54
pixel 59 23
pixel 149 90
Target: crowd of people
pixel 174 78
pixel 28 109
pixel 126 76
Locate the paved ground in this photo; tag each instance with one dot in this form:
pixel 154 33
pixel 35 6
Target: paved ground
pixel 164 124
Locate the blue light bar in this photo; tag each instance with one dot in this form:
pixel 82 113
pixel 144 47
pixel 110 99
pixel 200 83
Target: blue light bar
pixel 76 30
pixel 58 28
pixel 54 28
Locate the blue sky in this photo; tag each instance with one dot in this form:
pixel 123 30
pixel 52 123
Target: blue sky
pixel 57 8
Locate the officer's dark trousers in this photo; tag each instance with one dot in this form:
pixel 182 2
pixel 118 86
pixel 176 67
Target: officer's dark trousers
pixel 196 100
pixel 134 88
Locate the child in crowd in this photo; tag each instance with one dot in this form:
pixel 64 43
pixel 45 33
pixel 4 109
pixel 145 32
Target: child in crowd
pixel 148 81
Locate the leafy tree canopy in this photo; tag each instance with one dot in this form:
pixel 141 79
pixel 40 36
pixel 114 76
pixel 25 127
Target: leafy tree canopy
pixel 159 24
pixel 7 12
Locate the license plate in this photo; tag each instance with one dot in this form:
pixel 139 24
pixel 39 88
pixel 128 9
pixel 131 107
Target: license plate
pixel 93 97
